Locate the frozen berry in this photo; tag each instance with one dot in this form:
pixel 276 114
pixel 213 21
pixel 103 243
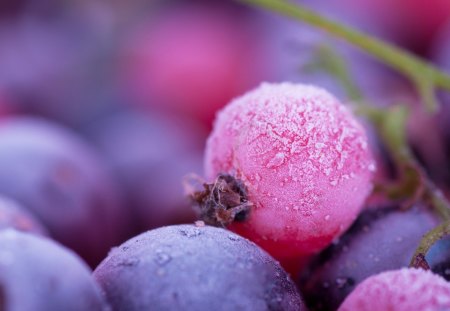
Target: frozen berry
pixel 58 178
pixel 303 160
pixel 12 215
pixel 381 239
pixel 38 274
pixel 189 267
pixel 400 290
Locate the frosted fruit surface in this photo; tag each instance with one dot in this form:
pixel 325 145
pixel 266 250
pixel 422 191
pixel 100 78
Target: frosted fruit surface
pixel 400 290
pixel 305 160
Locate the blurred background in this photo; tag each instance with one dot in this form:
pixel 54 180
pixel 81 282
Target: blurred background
pixel 141 81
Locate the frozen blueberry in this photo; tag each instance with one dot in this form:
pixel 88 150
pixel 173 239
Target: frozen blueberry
pixel 189 267
pixel 381 239
pixel 40 275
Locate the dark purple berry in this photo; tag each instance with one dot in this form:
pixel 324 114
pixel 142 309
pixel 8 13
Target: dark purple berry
pixel 189 267
pixel 381 239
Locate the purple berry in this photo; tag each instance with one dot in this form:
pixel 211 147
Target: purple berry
pixel 381 239
pixel 186 267
pixel 57 177
pixel 40 275
pixel 150 154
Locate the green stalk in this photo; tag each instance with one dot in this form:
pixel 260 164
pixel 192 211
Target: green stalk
pixel 423 74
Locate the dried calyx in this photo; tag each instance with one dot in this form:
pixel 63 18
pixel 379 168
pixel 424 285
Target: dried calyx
pixel 222 202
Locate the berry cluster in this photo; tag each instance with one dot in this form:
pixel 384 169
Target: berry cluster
pixel 292 202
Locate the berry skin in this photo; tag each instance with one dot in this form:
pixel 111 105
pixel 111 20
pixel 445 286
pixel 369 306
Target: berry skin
pixel 381 239
pixel 189 267
pixel 40 275
pixel 14 216
pixel 58 178
pixel 304 160
pixel 400 290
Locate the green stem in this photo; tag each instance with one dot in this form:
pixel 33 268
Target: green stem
pixel 421 73
pixel 434 235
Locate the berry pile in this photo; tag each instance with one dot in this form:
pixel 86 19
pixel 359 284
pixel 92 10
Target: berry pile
pixel 309 193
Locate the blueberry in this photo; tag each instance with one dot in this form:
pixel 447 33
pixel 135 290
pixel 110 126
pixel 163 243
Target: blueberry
pixel 57 177
pixel 186 267
pixel 150 155
pixel 381 239
pixel 40 275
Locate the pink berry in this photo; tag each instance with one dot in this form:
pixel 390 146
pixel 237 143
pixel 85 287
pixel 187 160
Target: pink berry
pixel 304 160
pixel 400 290
pixel 192 59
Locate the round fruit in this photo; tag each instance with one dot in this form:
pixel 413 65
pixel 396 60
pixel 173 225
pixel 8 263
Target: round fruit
pixel 57 177
pixel 299 163
pixel 38 274
pixel 150 154
pixel 381 239
pixel 400 290
pixel 189 267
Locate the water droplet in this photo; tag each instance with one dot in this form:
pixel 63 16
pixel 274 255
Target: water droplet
pixel 191 232
pixel 233 237
pixel 112 251
pixel 258 177
pixel 319 145
pixel 333 182
pixel 372 167
pixel 128 262
pixel 162 258
pixel 327 217
pixel 276 161
pixel 199 223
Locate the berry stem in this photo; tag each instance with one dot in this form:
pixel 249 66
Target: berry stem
pixel 390 124
pixel 424 75
pixel 432 236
